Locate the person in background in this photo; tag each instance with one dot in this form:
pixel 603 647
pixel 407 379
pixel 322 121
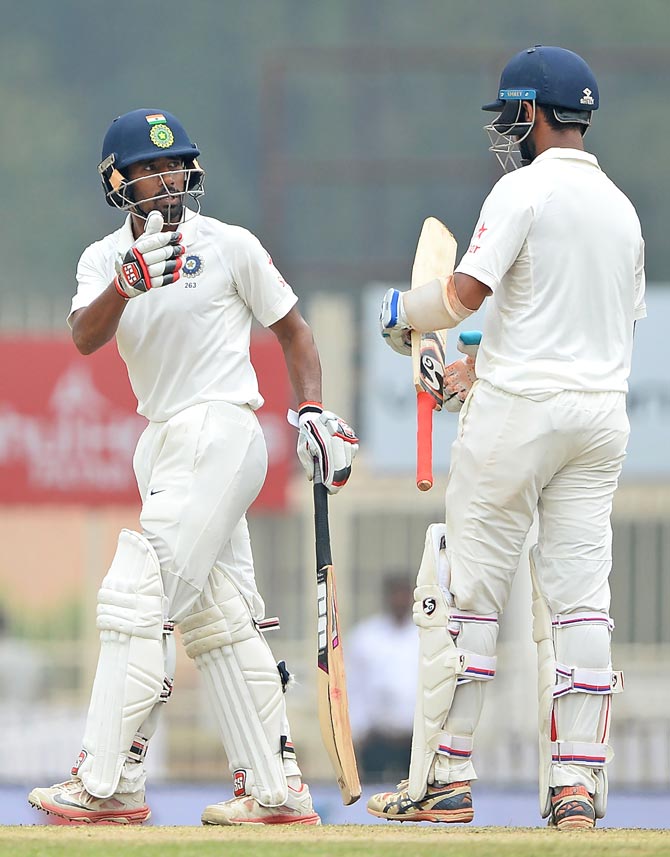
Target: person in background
pixel 382 654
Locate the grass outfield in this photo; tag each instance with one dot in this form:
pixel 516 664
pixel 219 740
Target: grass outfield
pixel 335 840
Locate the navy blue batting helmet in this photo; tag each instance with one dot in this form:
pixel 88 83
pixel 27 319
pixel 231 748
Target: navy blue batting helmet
pixel 551 76
pixel 141 135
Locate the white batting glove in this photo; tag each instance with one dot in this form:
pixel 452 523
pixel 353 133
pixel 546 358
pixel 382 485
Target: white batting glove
pixel 153 261
pixel 395 329
pixel 460 375
pixel 328 439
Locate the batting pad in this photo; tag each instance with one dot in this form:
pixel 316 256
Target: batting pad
pixel 440 665
pixel 244 688
pixel 575 687
pixel 131 667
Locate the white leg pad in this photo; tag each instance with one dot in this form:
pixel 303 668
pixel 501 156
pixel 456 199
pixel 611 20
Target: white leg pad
pixel 245 688
pixel 441 666
pixel 133 774
pixel 131 667
pixel 575 687
pixel 476 637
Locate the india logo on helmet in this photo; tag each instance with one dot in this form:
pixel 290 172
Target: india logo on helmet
pixel 161 136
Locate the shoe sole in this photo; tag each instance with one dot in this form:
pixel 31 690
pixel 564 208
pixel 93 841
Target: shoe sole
pixel 576 824
pixel 452 816
pixel 74 817
pixel 277 819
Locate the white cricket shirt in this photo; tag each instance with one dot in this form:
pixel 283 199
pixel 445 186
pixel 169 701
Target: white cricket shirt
pixel 561 248
pixel 188 342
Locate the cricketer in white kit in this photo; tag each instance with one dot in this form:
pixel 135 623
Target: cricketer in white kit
pixel 558 251
pixel 180 291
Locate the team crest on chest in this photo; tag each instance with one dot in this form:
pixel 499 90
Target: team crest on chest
pixel 193 265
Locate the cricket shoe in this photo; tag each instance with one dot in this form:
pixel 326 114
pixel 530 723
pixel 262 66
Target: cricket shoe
pixel 448 803
pixel 71 801
pixel 572 809
pixel 298 809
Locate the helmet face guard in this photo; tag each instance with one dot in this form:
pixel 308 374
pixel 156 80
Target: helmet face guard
pixel 146 135
pixel 547 76
pixel 507 131
pixel 120 191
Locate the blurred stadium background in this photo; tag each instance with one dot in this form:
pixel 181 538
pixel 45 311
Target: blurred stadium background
pixel 330 129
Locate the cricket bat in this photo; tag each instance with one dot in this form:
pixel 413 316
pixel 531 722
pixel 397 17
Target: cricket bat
pixel 435 257
pixel 333 705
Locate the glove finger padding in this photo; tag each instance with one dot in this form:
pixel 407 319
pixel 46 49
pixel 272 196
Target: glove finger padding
pixel 164 273
pixel 162 254
pixel 399 340
pixel 327 438
pixel 149 243
pixel 149 263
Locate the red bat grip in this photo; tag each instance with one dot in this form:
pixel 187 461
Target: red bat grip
pixel 425 404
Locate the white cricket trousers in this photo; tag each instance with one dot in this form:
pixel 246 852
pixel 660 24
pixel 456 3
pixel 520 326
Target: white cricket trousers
pixel 198 473
pixel 559 457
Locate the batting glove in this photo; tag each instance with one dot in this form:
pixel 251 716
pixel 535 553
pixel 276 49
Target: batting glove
pixel 328 439
pixel 460 375
pixel 395 329
pixel 153 261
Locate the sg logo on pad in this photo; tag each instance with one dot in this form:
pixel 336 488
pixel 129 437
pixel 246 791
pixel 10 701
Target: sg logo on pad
pixel 429 606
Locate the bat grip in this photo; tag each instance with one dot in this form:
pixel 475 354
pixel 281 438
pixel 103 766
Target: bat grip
pixel 425 404
pixel 321 529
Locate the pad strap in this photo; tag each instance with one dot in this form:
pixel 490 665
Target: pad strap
pixel 269 624
pixel 453 746
pixel 476 667
pixel 580 753
pixel 139 747
pixel 567 620
pixel 581 680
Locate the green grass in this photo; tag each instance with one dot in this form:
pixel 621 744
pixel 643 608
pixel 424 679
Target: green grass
pixel 335 840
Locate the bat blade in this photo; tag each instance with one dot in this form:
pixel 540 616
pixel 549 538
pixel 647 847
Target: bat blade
pixel 434 258
pixel 332 700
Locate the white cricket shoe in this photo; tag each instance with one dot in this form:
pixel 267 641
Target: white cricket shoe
pixel 298 809
pixel 71 801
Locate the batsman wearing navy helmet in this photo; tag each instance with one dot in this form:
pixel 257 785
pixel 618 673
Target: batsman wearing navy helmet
pixel 180 291
pixel 558 254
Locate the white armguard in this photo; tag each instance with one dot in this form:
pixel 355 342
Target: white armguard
pixel 434 306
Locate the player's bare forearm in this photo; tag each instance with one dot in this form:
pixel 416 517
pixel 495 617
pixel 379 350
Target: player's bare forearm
pixel 95 324
pixel 300 354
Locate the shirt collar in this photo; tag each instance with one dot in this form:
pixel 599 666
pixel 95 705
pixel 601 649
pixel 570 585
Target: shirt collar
pixel 568 155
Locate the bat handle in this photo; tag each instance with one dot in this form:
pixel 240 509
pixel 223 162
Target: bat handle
pixel 425 404
pixel 321 528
